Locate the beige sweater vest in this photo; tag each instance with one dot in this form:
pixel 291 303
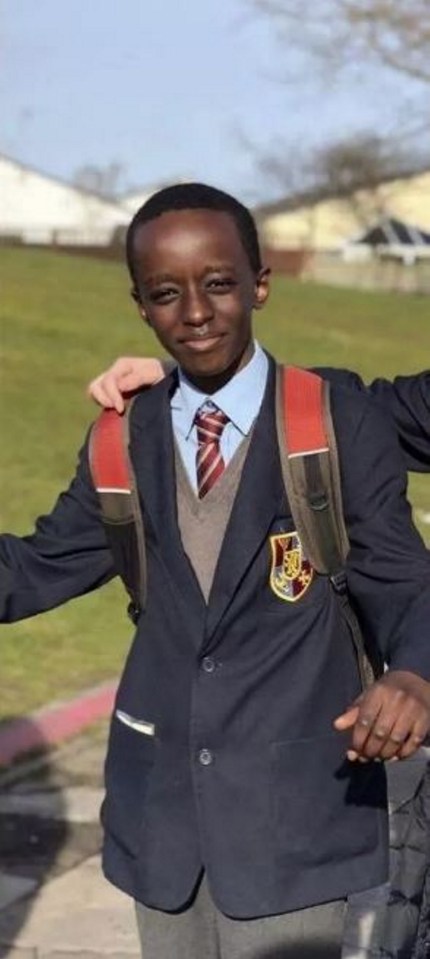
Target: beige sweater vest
pixel 202 523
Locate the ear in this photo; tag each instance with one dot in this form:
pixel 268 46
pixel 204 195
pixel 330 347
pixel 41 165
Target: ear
pixel 262 287
pixel 134 293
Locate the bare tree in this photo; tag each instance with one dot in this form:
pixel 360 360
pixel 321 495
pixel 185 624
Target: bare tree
pixel 338 33
pixel 361 161
pixel 281 165
pixel 102 180
pixel 359 170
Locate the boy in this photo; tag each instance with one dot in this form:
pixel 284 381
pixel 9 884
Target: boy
pixel 238 813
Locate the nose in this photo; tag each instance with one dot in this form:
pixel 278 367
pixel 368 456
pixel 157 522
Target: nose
pixel 198 307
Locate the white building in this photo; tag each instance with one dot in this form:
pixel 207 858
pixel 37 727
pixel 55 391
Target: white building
pixel 38 208
pixel 325 225
pixel 132 201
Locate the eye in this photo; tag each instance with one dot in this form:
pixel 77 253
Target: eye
pixel 221 284
pixel 163 295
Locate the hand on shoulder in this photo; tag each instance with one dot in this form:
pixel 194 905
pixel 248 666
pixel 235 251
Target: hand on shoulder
pixel 126 374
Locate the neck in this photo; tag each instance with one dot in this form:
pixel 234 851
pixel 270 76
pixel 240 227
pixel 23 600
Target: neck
pixel 211 384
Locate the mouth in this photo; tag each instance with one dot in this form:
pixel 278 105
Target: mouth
pixel 202 342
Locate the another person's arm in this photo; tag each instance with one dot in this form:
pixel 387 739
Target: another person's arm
pixel 407 399
pixel 388 574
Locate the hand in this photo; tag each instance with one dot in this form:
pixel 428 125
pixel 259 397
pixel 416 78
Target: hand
pixel 127 374
pixel 390 720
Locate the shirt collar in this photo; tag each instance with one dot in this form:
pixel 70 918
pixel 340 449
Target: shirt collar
pixel 240 399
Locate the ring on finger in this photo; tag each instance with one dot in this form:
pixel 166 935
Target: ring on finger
pixel 380 733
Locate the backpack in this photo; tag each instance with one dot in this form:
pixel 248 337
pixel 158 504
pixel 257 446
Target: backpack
pixel 310 471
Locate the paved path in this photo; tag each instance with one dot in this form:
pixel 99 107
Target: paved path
pixel 54 901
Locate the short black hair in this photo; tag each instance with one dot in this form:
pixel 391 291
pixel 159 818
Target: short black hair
pixel 196 196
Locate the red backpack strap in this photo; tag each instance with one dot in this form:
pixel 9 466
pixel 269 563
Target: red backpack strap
pixel 113 478
pixel 310 469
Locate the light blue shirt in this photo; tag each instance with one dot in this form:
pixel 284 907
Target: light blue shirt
pixel 240 399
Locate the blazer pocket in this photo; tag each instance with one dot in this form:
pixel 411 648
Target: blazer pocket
pixel 129 762
pixel 326 808
pixel 139 725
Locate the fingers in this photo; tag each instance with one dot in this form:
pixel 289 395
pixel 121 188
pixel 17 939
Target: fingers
pixel 153 371
pixel 373 735
pixel 413 742
pixel 126 375
pixel 389 721
pixel 370 729
pixel 105 392
pixel 347 719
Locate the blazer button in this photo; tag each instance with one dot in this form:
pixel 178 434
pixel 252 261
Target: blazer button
pixel 205 757
pixel 208 664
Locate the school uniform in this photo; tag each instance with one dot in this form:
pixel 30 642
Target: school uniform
pixel 222 755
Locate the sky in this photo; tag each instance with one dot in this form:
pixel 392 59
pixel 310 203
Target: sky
pixel 165 88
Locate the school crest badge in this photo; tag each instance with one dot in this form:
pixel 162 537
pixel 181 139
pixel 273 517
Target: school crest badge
pixel 291 573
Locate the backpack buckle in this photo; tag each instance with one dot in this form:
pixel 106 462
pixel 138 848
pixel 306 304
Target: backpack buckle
pixel 133 612
pixel 338 581
pixel 319 502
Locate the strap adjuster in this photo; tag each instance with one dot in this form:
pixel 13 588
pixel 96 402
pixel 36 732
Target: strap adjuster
pixel 338 581
pixel 133 612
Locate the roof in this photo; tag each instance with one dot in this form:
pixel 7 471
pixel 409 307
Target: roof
pixel 391 232
pixel 150 188
pixel 311 197
pixel 141 191
pixel 112 201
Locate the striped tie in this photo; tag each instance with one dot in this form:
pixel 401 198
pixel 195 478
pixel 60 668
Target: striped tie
pixel 209 462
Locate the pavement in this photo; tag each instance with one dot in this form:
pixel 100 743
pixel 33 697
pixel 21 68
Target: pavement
pixel 55 723
pixel 54 901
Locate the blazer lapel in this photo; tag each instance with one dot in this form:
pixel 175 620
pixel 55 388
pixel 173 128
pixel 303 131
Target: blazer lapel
pixel 259 497
pixel 151 445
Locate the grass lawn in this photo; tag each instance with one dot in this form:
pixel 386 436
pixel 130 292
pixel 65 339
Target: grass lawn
pixel 62 320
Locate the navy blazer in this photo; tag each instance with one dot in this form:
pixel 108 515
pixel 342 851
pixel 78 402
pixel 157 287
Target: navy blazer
pixel 222 753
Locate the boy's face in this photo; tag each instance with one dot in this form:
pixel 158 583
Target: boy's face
pixel 197 291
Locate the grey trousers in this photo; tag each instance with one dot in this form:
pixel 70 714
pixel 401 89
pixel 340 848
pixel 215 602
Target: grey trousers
pixel 202 932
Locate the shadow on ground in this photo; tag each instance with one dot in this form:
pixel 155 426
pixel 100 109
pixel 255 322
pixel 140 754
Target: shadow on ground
pixel 298 952
pixel 33 832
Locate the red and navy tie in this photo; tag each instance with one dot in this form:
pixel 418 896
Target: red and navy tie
pixel 209 462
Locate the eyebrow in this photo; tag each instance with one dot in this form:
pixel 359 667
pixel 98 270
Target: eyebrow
pixel 158 278
pixel 169 278
pixel 218 267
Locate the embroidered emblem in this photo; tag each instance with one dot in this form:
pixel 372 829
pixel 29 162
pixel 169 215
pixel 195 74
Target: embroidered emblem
pixel 291 573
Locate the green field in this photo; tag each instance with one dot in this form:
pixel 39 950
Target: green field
pixel 62 320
